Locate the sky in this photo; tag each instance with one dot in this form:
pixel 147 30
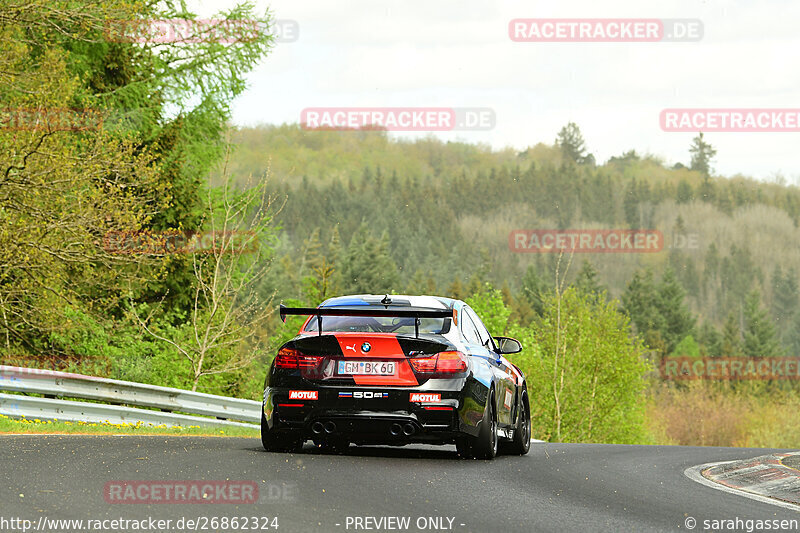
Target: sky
pixel 445 53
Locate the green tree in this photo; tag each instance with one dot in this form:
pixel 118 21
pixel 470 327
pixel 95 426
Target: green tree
pixel 571 143
pixel 678 321
pixel 628 157
pixel 630 204
pixel 221 333
pixel 688 347
pixel 760 339
pixel 587 282
pixel 712 262
pixel 707 192
pixel 640 302
pixel 321 280
pixel 489 306
pixel 702 154
pixel 421 283
pixel 685 193
pixel 151 129
pixel 368 268
pixel 792 338
pixel 586 372
pixel 320 283
pixel 785 297
pixel 456 290
pixel 533 289
pixel 737 273
pixel 732 337
pixel 710 340
pixel 61 189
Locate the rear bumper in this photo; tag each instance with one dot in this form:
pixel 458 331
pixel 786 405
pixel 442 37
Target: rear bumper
pixel 381 427
pixel 391 418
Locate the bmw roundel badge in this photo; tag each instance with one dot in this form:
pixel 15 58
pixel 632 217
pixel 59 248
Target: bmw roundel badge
pixel 366 347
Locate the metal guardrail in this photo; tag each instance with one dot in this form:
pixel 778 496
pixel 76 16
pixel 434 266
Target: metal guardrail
pixel 172 403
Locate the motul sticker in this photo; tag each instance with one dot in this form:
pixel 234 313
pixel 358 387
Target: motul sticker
pixel 303 395
pixel 425 397
pixel 507 401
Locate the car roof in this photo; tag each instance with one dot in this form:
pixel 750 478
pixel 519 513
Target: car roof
pixel 397 300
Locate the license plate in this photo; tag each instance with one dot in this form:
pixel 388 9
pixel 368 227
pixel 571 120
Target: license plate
pixel 368 368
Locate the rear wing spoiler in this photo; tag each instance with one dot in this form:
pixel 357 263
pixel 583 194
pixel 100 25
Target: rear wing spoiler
pixel 416 314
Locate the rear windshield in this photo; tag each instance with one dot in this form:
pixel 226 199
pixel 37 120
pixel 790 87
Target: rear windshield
pixel 375 324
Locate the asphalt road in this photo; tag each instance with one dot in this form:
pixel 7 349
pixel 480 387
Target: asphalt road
pixel 557 487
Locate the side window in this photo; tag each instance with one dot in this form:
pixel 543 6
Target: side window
pixel 468 328
pixel 483 333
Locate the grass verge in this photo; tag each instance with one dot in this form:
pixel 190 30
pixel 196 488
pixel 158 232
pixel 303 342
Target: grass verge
pixel 10 426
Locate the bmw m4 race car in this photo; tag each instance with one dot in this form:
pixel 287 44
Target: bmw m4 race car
pixel 395 370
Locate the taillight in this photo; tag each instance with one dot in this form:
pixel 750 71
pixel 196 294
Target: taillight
pixel 443 363
pixel 291 358
pixel 423 365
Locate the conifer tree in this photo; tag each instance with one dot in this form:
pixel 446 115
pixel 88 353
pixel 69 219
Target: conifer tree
pixel 760 339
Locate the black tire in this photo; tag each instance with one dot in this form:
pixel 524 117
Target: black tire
pixel 520 444
pixel 484 446
pixel 278 441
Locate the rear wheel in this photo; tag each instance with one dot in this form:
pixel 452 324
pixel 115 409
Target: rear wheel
pixel 277 441
pixel 521 443
pixel 484 446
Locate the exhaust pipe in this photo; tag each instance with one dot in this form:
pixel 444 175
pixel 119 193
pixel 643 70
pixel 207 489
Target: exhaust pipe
pixel 330 426
pixel 409 429
pixel 395 429
pixel 317 427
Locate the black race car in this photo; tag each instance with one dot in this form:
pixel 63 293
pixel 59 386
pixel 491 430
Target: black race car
pixel 395 370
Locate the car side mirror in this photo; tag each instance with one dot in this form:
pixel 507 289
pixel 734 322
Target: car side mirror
pixel 507 345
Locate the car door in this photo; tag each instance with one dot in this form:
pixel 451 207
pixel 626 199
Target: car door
pixel 505 379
